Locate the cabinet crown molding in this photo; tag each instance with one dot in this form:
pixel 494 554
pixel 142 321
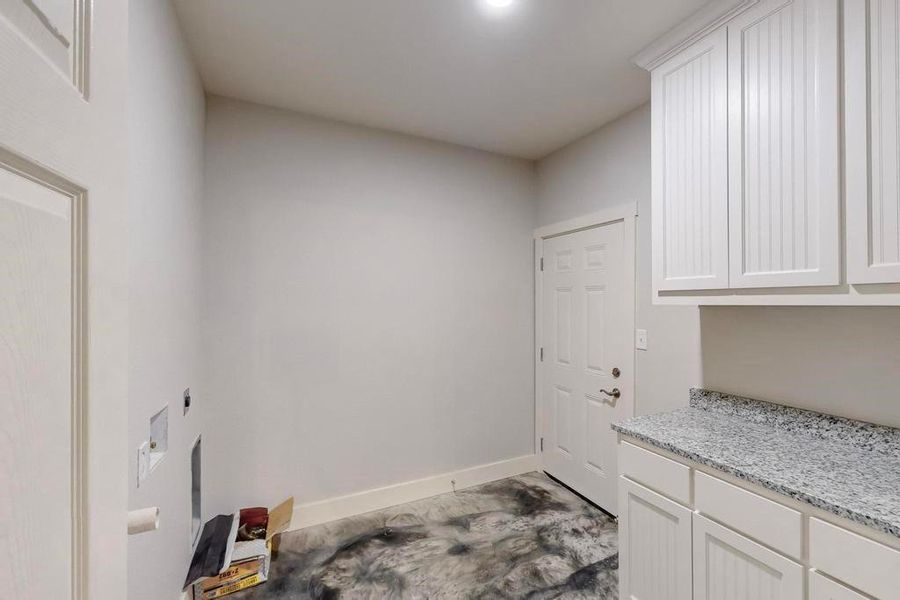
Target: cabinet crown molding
pixel 706 19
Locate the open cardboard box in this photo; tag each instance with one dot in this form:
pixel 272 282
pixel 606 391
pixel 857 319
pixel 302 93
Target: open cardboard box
pixel 250 560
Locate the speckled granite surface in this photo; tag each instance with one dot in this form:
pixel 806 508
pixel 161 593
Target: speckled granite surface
pixel 849 468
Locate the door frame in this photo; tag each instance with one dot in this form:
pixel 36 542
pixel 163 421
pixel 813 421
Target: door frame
pixel 627 214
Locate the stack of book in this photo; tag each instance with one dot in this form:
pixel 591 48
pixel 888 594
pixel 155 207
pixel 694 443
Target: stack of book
pixel 234 552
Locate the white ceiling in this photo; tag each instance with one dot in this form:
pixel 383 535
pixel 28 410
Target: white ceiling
pixel 523 83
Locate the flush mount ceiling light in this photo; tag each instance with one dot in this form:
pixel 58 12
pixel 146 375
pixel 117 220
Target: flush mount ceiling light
pixel 496 8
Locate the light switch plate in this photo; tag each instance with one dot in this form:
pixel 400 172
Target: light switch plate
pixel 143 465
pixel 640 339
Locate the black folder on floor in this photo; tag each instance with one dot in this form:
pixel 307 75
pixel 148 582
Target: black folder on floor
pixel 214 548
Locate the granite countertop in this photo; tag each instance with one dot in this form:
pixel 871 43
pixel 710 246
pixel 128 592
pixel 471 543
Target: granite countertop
pixel 846 467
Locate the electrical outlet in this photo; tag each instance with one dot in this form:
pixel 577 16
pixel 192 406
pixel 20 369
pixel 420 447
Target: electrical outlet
pixel 640 339
pixel 143 464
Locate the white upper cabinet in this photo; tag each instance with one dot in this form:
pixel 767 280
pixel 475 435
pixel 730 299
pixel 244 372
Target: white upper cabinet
pixel 872 116
pixel 776 154
pixel 784 169
pixel 690 179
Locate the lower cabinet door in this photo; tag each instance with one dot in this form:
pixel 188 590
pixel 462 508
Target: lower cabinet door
pixel 822 588
pixel 654 545
pixel 728 566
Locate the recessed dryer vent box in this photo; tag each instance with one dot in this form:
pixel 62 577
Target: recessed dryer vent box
pixel 159 437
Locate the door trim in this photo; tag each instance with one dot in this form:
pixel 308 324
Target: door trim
pixel 13 163
pixel 627 214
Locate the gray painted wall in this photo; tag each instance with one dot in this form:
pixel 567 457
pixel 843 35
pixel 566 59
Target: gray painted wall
pixel 369 307
pixel 839 360
pixel 165 137
pixel 610 167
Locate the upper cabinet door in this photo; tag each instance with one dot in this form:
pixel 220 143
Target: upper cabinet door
pixel 690 183
pixel 784 170
pixel 872 137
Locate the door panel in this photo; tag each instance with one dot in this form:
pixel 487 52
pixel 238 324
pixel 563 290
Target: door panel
pixel 63 311
pixel 54 29
pixel 39 431
pixel 723 557
pixel 872 138
pixel 690 183
pixel 784 197
pixel 654 545
pixel 586 335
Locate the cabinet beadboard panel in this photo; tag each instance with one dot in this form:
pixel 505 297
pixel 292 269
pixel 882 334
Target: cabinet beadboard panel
pixel 784 200
pixel 728 566
pixel 654 545
pixel 690 186
pixel 872 137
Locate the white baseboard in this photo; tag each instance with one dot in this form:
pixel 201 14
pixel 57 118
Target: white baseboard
pixel 314 513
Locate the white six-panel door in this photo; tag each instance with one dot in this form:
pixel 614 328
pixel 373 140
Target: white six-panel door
pixel 872 116
pixel 690 179
pixel 63 299
pixel 784 125
pixel 586 335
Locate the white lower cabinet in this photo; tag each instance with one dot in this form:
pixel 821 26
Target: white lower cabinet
pixel 728 566
pixel 725 540
pixel 654 545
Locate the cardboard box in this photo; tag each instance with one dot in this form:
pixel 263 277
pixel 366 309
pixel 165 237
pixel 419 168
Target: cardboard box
pixel 250 560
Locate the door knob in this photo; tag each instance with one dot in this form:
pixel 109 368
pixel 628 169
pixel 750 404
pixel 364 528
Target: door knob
pixel 615 393
pixel 616 372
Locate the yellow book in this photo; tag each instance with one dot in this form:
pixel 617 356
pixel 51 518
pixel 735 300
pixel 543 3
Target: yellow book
pixel 235 572
pixel 231 588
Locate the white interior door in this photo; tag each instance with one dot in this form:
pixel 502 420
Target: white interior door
pixel 586 316
pixel 63 310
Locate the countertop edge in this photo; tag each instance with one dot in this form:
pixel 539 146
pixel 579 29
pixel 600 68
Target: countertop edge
pixel 799 495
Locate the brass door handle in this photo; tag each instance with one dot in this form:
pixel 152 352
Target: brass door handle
pixel 615 393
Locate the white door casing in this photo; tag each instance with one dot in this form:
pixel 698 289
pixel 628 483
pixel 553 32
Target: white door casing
pixel 63 311
pixel 783 132
pixel 585 325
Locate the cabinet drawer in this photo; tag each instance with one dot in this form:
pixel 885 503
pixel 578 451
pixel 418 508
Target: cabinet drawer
pixel 771 523
pixel 822 588
pixel 658 473
pixel 866 565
